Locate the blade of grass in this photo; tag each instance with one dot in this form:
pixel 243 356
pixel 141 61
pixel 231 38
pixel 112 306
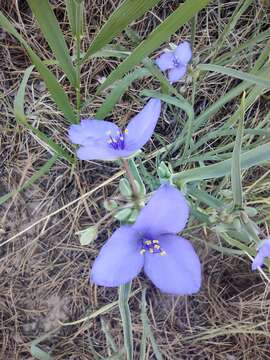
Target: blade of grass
pixel 236 161
pixel 21 118
pixel 124 293
pixel 249 158
pixel 37 175
pixel 161 33
pixel 127 12
pixel 236 74
pixel 118 90
pixel 36 352
pixel 54 36
pixel 75 12
pixel 57 92
pixel 147 332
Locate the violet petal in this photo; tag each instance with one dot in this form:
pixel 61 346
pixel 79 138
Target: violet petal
pixel 119 260
pixel 165 61
pixel 183 52
pixel 90 130
pixel 177 73
pixel 178 271
pixel 166 212
pixel 141 126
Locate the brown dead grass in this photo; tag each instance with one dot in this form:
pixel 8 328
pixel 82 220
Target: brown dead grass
pixel 44 271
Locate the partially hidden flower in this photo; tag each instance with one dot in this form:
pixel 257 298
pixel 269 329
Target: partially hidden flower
pixel 263 251
pixel 151 243
pixel 175 61
pixel 104 140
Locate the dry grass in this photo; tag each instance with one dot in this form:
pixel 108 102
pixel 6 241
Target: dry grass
pixel 44 271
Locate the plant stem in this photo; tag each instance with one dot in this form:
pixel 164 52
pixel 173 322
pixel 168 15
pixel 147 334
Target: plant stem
pixel 78 66
pixel 130 178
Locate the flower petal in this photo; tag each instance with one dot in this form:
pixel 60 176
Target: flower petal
pixel 141 126
pixel 177 73
pixel 119 260
pixel 183 52
pixel 165 61
pixel 263 252
pixel 90 129
pixel 179 271
pixel 166 212
pixel 97 151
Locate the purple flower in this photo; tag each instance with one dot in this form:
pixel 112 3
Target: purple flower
pixel 262 252
pixel 168 260
pixel 175 61
pixel 103 140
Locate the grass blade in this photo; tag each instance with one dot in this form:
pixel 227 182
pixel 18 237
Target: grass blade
pixel 54 36
pixel 38 174
pixel 147 332
pixel 75 12
pixel 177 19
pixel 21 118
pixel 127 12
pixel 249 158
pixel 57 92
pixel 124 293
pixel 236 74
pixel 236 161
pixel 118 91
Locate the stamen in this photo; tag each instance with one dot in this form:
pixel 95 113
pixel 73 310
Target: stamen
pixel 117 142
pixel 126 131
pixel 108 132
pixel 152 246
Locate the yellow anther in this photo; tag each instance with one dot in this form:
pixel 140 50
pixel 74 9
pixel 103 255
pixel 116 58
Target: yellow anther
pixel 118 132
pixel 108 132
pixel 163 253
pixel 142 251
pixel 155 241
pixel 121 138
pixel 148 242
pixel 157 246
pixel 126 131
pixel 151 250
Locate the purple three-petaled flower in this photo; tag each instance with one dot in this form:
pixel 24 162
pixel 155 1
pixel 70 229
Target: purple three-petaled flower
pixel 175 61
pixel 103 140
pixel 262 252
pixel 151 243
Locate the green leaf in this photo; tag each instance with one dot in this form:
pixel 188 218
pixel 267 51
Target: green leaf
pixel 161 34
pixel 124 294
pixel 249 158
pixel 118 90
pixel 36 351
pixel 53 34
pixel 236 161
pixel 236 74
pixel 38 174
pixel 57 92
pixel 127 12
pixel 75 17
pixel 21 118
pixel 88 235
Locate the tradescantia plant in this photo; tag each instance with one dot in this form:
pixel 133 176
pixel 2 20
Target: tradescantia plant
pixel 147 237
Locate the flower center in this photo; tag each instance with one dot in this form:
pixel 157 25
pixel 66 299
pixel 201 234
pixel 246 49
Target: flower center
pixel 152 246
pixel 117 142
pixel 176 62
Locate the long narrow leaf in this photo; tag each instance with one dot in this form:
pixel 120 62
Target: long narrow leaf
pixel 57 92
pixel 177 19
pixel 236 161
pixel 53 34
pixel 21 118
pixel 75 13
pixel 124 293
pixel 37 175
pixel 249 158
pixel 236 74
pixel 127 12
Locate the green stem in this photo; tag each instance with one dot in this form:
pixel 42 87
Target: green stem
pixel 131 179
pixel 78 66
